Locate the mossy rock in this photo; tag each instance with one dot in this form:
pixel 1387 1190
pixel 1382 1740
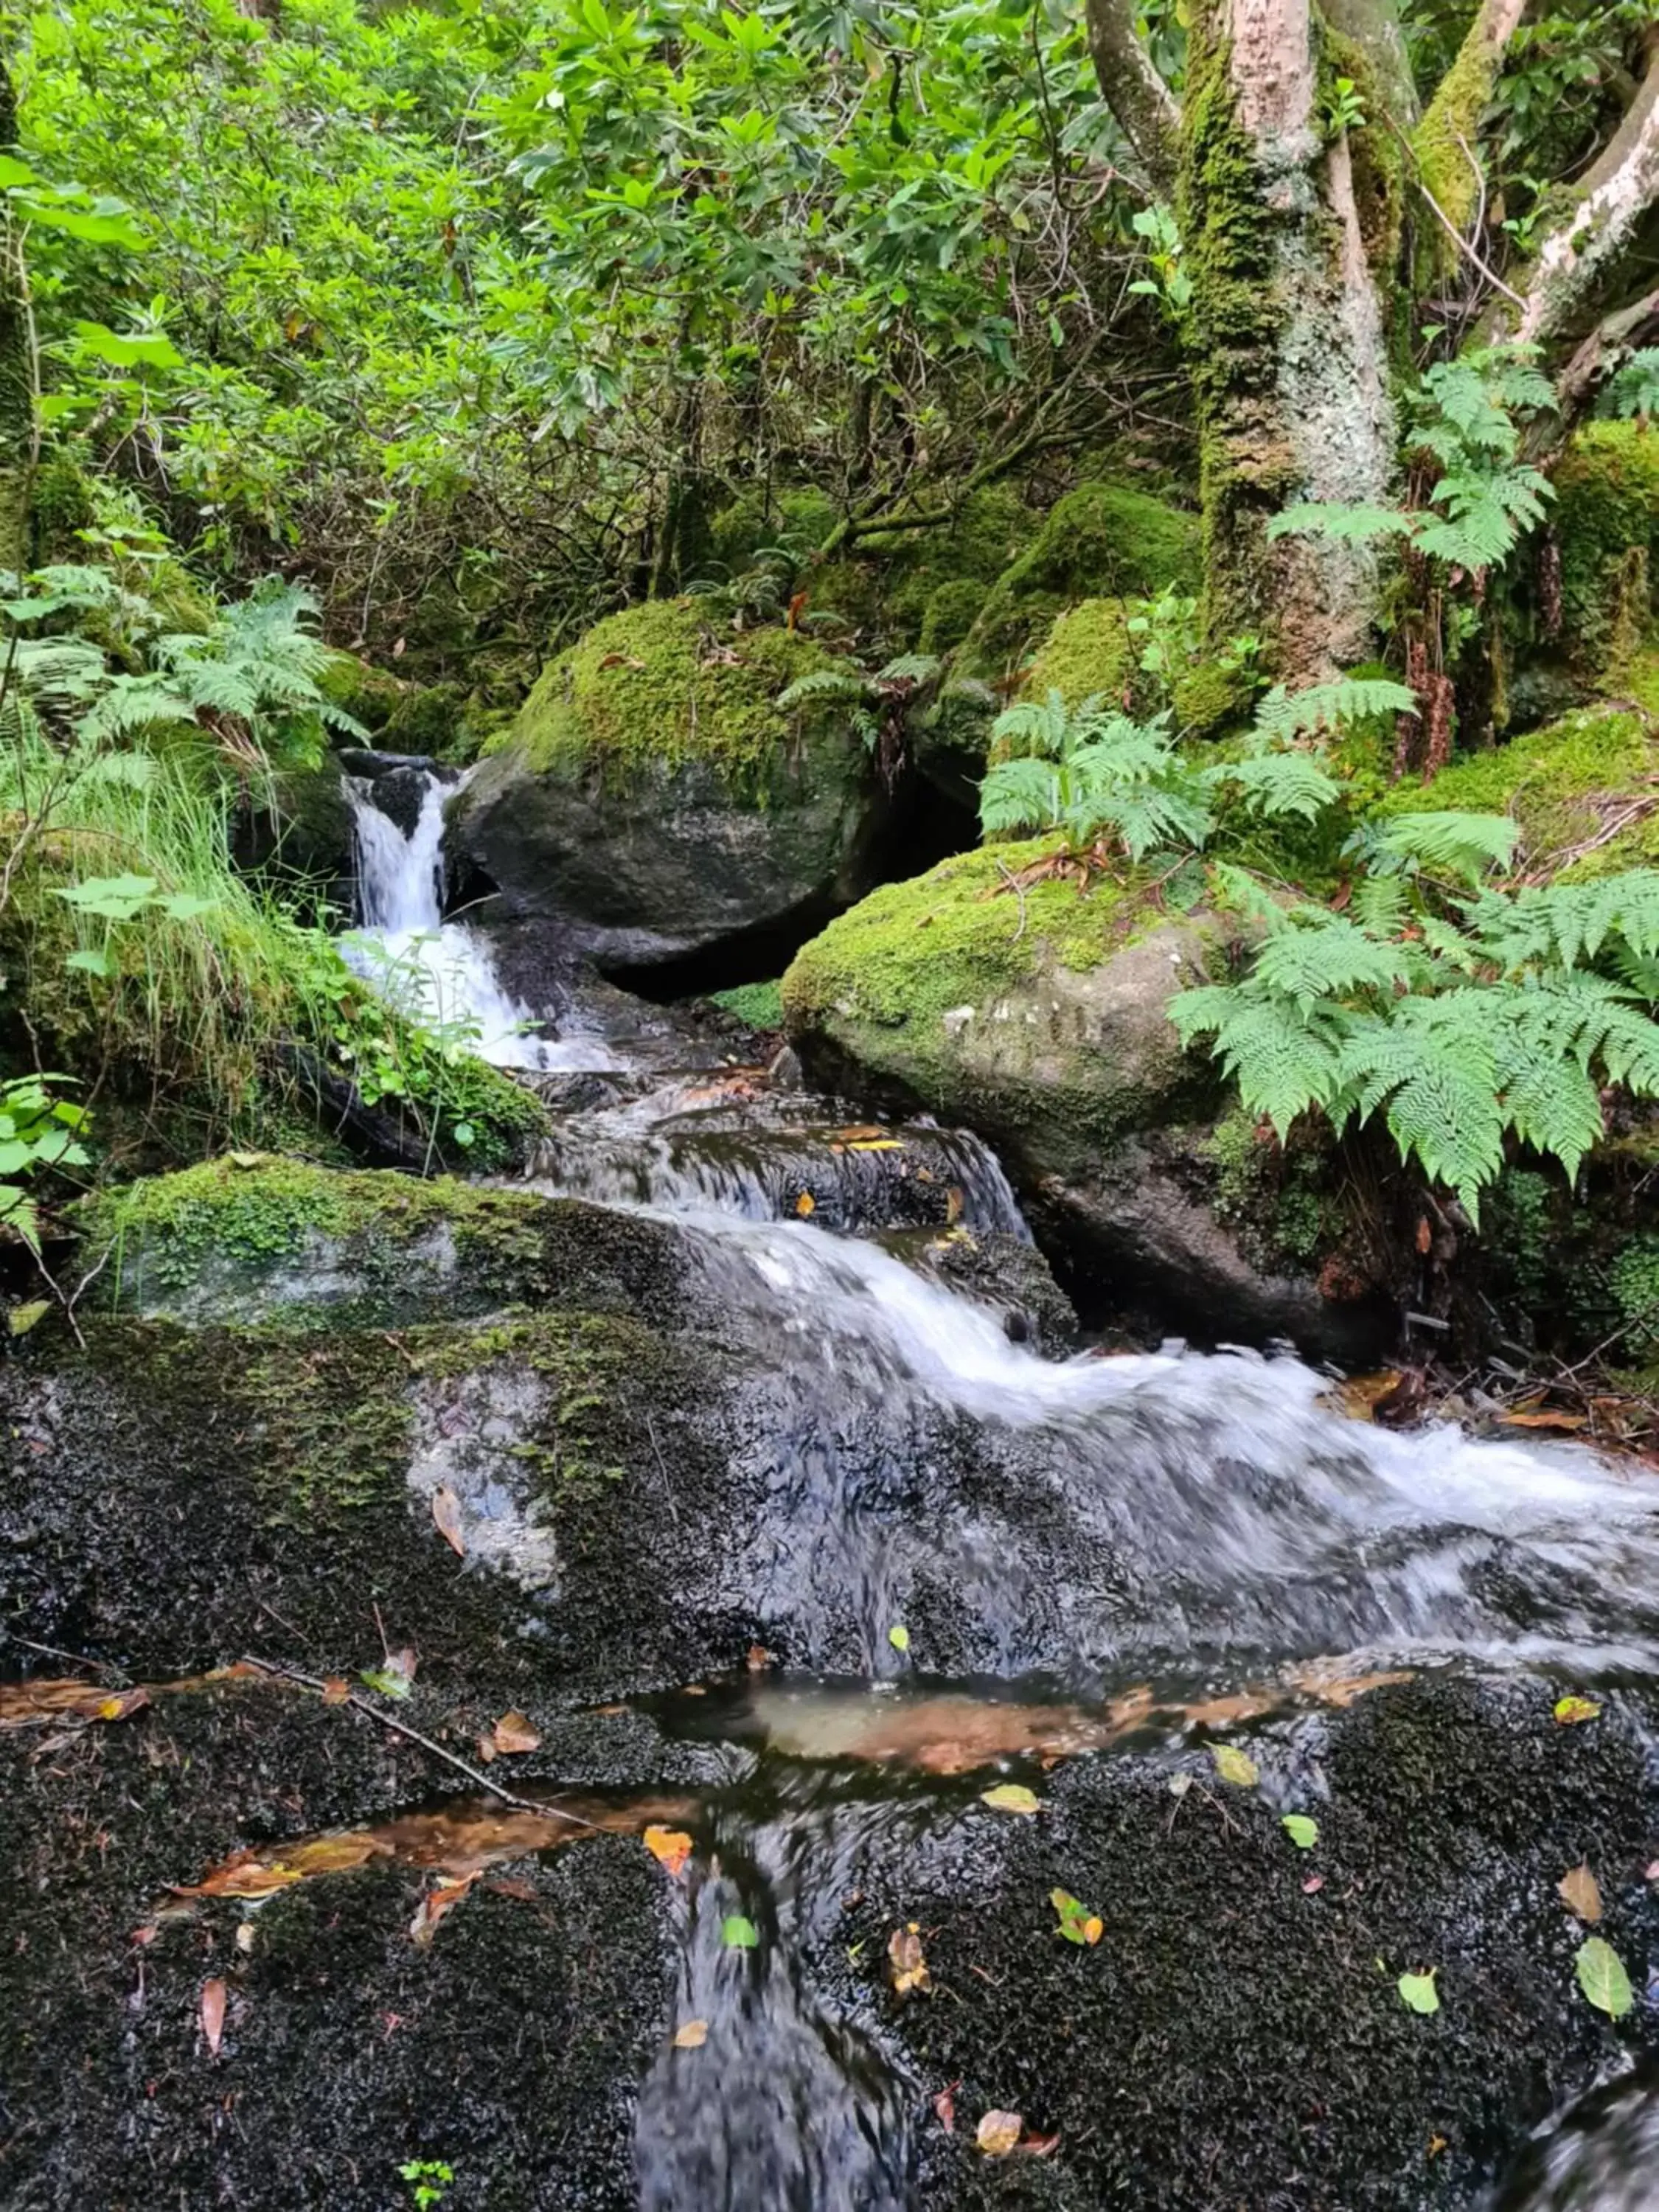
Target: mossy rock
pixel 369 695
pixel 249 1236
pixel 1100 539
pixel 1087 650
pixel 1567 785
pixel 430 722
pixel 1606 520
pixel 654 797
pixel 795 522
pixel 998 995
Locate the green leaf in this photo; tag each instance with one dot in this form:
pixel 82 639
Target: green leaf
pixel 1302 1831
pixel 141 350
pixel 389 1681
pixel 1419 1991
pixel 738 1934
pixel 1012 1797
pixel 1602 1976
pixel 87 962
pixel 899 1637
pixel 186 906
pixel 1235 1766
pixel 20 1320
pixel 1571 1711
pixel 14 173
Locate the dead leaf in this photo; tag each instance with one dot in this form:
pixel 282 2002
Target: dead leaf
pixel 1424 1234
pixel 1323 1678
pixel 1313 1885
pixel 904 1955
pixel 805 1205
pixel 213 2015
pixel 875 1144
pixel 1650 1871
pixel 1571 1711
pixel 692 2036
pixel 522 1892
pixel 760 1659
pixel 1581 1893
pixel 245 1935
pixel 945 2106
pixel 446 1519
pixel 336 1690
pixel 512 1732
pixel 486 1750
pixel 671 1847
pixel 998 2132
pixel 29 1705
pixel 1039 2146
pixel 1012 1797
pixel 1568 1423
pixel 434 1906
pixel 621 660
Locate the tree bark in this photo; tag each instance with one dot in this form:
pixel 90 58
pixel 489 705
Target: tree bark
pixel 1131 86
pixel 1290 356
pixel 1579 262
pixel 17 421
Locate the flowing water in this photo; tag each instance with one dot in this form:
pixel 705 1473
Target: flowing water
pixel 1139 1541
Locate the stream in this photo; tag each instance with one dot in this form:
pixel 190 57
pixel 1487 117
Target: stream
pixel 984 1561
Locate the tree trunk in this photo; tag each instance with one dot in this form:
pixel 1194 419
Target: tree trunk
pixel 1131 87
pixel 17 424
pixel 1290 355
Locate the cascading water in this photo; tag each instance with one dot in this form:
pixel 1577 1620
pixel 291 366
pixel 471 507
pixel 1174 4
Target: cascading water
pixel 441 972
pixel 1125 1542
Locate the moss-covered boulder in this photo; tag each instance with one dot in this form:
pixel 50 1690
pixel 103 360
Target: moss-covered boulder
pixel 1008 999
pixel 654 797
pixel 1581 790
pixel 1103 538
pixel 1088 649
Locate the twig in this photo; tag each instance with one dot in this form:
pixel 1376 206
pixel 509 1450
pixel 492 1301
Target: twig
pixel 53 1652
pixel 1449 227
pixel 286 1672
pixel 1018 890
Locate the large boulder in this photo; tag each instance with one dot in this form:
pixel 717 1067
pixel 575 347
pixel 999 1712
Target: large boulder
pixel 1003 995
pixel 654 797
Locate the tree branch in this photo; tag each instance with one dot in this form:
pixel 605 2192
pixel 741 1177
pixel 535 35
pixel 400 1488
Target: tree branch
pixel 1452 118
pixel 1579 258
pixel 1131 86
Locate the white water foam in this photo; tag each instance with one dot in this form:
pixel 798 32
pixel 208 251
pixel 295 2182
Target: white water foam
pixel 440 973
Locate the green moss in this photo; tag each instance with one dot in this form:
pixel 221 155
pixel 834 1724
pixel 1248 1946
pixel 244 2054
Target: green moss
pixel 1607 521
pixel 796 521
pixel 848 589
pixel 430 721
pixel 1212 699
pixel 62 506
pixel 759 1005
pixel 1088 649
pixel 1274 1198
pixel 1441 143
pixel 369 695
pixel 234 1222
pixel 1100 539
pixel 1566 786
pixel 913 951
pixel 659 686
pixel 949 613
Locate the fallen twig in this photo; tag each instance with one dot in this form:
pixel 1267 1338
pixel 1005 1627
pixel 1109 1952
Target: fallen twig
pixel 286 1672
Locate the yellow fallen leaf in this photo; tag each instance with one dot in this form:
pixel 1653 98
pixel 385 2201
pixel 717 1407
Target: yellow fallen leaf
pixel 1012 1797
pixel 692 2036
pixel 805 1204
pixel 512 1732
pixel 875 1144
pixel 904 1955
pixel 1569 1711
pixel 998 2133
pixel 1233 1764
pixel 671 1846
pixel 1093 1929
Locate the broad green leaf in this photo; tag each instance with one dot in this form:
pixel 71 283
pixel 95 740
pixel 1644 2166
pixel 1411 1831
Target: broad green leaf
pixel 1419 1991
pixel 1602 1976
pixel 186 906
pixel 1302 1831
pixel 738 1934
pixel 1012 1797
pixel 1233 1764
pixel 389 1681
pixel 14 173
pixel 87 961
pixel 121 349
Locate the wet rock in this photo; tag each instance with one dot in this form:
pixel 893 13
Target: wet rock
pixel 1004 995
pixel 654 798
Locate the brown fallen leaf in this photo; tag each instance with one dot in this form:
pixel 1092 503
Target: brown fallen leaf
pixel 805 1205
pixel 944 2104
pixel 512 1732
pixel 904 1956
pixel 246 1935
pixel 213 2015
pixel 446 1519
pixel 1313 1885
pixel 671 1847
pixel 434 1906
pixel 1038 2146
pixel 692 2036
pixel 1581 1893
pixel 760 1659
pixel 31 1705
pixel 336 1690
pixel 523 1892
pixel 1568 1423
pixel 998 2132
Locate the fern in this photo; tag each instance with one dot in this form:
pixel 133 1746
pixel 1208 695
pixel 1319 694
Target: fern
pixel 1443 842
pixel 1633 390
pixel 1332 706
pixel 1350 525
pixel 850 684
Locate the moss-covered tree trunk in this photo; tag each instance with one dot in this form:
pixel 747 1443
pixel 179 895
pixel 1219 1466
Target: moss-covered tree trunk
pixel 1289 330
pixel 16 367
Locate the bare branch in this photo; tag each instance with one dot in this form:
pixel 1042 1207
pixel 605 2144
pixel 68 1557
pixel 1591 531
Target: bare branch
pixel 1131 86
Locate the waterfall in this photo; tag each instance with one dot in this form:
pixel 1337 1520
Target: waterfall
pixel 440 973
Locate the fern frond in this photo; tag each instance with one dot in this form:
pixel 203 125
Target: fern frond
pixel 1332 706
pixel 1282 1064
pixel 1018 795
pixel 1326 957
pixel 910 668
pixel 1275 784
pixel 824 683
pixel 1345 524
pixel 1450 842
